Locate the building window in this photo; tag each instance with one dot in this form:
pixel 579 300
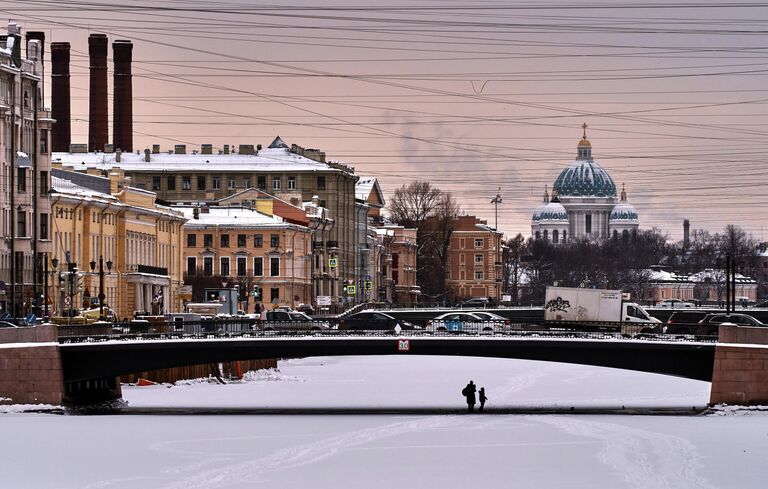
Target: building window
pixel 170 182
pixel 208 266
pixel 479 275
pixel 538 235
pixel 258 266
pixel 44 183
pixel 479 242
pixel 546 235
pixel 232 184
pixel 191 265
pixel 224 241
pixel 246 183
pixel 241 240
pixel 291 183
pixel 21 223
pixel 274 294
pixel 274 240
pixel 224 270
pixel 43 226
pixel 21 180
pixel 186 183
pixel 555 236
pixel 201 182
pixel 208 240
pixel 478 259
pixel 274 267
pixel 191 240
pixel 321 183
pixel 588 223
pixel 565 236
pixel 241 266
pixel 216 183
pixel 43 141
pixel 261 182
pixel 258 240
pixel 276 183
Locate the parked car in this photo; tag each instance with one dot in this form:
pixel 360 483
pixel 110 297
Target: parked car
pixel 463 322
pixel 675 304
pixel 481 302
pixel 738 319
pixel 762 304
pixel 499 322
pixel 6 324
pixel 372 320
pixel 683 322
pixel 280 320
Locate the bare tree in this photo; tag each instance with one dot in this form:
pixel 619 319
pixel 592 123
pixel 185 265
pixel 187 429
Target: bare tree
pixel 512 257
pixel 433 213
pixel 412 204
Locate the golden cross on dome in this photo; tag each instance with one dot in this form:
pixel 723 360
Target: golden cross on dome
pixel 584 126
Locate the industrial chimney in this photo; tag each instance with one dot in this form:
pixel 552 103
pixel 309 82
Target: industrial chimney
pixel 61 134
pixel 686 234
pixel 122 131
pixel 98 119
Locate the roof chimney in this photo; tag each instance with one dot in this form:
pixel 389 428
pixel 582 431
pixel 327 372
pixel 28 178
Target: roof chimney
pixel 36 36
pixel 122 131
pixel 226 149
pixel 98 119
pixel 146 155
pixel 61 134
pixel 155 149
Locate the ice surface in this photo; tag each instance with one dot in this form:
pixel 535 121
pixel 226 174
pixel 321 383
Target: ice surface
pixel 163 440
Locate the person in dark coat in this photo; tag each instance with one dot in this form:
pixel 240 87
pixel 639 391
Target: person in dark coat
pixel 482 398
pixel 469 393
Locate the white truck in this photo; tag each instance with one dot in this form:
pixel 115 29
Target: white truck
pixel 598 309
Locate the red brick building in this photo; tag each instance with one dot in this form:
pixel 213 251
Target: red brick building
pixel 474 260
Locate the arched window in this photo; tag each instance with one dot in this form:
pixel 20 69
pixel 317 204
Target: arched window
pixel 565 236
pixel 615 234
pixel 538 235
pixel 546 235
pixel 555 236
pixel 625 235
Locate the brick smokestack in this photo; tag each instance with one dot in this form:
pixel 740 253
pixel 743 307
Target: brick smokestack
pixel 98 119
pixel 61 134
pixel 122 131
pixel 686 234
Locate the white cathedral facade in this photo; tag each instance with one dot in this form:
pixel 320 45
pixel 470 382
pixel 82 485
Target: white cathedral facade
pixel 583 203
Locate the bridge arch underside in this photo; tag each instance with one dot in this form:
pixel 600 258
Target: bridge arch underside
pixel 100 360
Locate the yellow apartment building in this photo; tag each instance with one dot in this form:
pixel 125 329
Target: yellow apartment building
pixel 126 247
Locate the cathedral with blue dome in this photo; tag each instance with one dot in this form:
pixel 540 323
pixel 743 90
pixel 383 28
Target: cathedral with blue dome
pixel 583 203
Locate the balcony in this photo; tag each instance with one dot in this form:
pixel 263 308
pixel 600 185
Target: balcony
pixel 332 245
pixel 317 245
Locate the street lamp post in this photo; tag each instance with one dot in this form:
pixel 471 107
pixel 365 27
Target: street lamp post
pixel 496 201
pixel 101 283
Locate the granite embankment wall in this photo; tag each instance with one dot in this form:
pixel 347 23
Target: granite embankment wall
pixel 740 374
pixel 30 366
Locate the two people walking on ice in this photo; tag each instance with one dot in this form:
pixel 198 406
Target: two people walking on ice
pixel 469 392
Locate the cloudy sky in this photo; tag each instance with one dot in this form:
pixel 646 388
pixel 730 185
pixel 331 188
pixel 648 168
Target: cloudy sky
pixel 472 95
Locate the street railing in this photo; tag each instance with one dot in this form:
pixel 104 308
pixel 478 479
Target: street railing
pixel 253 328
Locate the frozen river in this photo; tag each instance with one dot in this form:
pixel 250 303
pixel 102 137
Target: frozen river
pixel 385 422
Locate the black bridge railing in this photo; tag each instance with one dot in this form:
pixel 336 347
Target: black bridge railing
pixel 253 328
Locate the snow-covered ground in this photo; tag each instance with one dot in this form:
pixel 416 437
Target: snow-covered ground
pixel 384 422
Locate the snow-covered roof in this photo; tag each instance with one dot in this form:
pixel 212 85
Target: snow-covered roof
pixel 665 276
pixel 267 160
pixel 62 185
pixel 718 275
pixel 231 216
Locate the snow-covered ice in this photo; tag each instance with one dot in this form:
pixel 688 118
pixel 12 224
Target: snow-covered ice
pixel 169 438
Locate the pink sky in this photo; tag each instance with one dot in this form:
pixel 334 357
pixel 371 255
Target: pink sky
pixel 472 95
